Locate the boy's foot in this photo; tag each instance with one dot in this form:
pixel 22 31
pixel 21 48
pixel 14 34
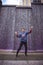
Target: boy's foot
pixel 16 55
pixel 26 55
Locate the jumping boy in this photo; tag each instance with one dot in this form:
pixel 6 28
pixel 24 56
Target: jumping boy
pixel 23 39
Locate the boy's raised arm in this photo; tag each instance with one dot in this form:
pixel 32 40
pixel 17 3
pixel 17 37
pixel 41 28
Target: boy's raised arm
pixel 30 30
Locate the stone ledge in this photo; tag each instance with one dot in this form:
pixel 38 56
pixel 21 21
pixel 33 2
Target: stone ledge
pixel 21 7
pixel 24 7
pixel 2 51
pixel 21 56
pixel 37 3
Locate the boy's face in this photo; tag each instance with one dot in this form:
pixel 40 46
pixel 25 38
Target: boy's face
pixel 23 30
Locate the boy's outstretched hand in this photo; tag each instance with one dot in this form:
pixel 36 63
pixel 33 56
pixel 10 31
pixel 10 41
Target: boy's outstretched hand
pixel 16 33
pixel 31 29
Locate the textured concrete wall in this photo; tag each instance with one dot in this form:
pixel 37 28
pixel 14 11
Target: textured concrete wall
pixel 37 36
pixel 23 19
pixel 7 23
pixel 14 18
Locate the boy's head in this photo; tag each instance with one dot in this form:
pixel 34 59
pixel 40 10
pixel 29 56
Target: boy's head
pixel 23 29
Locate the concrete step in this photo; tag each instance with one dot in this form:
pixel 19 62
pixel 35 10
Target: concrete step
pixel 29 62
pixel 21 56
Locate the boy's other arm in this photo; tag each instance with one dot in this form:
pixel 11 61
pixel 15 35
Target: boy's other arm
pixel 18 35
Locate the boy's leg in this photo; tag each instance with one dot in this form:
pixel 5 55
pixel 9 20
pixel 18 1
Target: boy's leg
pixel 25 44
pixel 19 49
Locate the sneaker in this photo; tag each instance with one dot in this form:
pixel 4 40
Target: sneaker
pixel 16 55
pixel 26 55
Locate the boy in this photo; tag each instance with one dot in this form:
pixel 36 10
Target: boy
pixel 23 39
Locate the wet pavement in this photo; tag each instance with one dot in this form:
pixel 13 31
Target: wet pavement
pixel 32 62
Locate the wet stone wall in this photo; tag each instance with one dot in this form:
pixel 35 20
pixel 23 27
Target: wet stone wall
pixel 14 18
